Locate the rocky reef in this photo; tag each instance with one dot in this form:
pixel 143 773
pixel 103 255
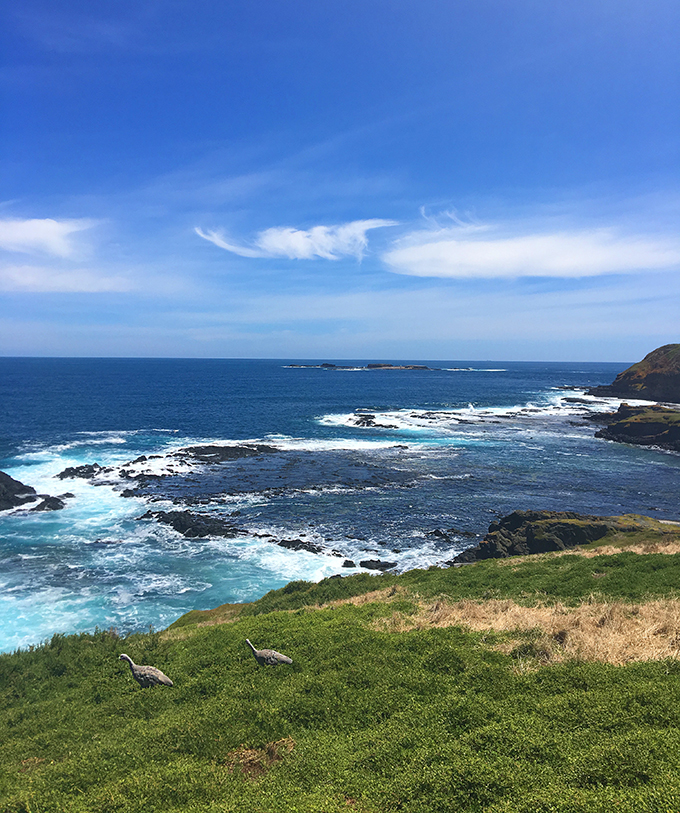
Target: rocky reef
pixel 14 494
pixel 194 525
pixel 655 378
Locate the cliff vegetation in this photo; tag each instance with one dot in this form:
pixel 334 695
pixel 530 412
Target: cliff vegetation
pixel 537 683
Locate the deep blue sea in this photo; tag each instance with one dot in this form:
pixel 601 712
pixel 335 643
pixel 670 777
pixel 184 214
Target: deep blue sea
pixel 362 465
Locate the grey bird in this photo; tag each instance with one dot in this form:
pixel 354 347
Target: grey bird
pixel 268 657
pixel 146 675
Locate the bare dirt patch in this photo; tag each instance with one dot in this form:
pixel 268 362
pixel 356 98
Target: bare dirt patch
pixel 30 764
pixel 256 762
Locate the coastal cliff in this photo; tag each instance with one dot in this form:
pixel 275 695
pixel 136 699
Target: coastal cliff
pixel 655 378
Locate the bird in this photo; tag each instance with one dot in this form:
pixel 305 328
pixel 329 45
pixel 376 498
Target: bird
pixel 146 675
pixel 268 657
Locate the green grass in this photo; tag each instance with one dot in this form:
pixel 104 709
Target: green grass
pixel 569 579
pixel 432 720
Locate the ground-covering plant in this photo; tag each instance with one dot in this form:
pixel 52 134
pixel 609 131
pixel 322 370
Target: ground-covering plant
pixel 626 575
pixel 366 719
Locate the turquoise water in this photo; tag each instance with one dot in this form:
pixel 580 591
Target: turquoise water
pixel 447 449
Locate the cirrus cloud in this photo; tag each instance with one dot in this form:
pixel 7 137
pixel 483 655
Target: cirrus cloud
pixel 453 253
pixel 326 242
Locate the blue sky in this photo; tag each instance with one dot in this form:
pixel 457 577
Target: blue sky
pixel 417 179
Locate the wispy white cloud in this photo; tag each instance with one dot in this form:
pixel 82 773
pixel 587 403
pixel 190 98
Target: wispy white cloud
pixel 327 242
pixel 457 253
pixel 36 279
pixel 45 236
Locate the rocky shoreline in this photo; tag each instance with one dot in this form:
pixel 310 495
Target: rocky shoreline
pixel 520 533
pixel 14 494
pixel 642 426
pixel 526 532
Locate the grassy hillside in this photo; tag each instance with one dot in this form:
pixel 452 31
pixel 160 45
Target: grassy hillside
pixel 664 359
pixel 656 377
pixel 393 703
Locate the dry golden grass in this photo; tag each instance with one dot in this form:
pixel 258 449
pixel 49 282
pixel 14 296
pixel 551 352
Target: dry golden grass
pixel 612 632
pixel 225 614
pixel 384 596
pixel 657 546
pixel 666 543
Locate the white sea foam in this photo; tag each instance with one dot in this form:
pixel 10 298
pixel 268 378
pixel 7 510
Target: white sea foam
pixel 447 421
pixel 285 443
pixel 128 432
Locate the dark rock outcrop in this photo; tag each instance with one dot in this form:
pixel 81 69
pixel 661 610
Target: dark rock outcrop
pixel 86 472
pixel 525 532
pixel 644 426
pixel 14 493
pixel 365 420
pixel 397 367
pixel 195 526
pixel 377 564
pixel 50 504
pixel 450 535
pixel 299 544
pixel 655 378
pixel 222 454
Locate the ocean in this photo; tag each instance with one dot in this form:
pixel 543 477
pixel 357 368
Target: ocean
pixel 320 469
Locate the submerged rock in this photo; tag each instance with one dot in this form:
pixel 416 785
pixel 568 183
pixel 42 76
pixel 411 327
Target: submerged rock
pixel 194 525
pixel 50 504
pixel 14 493
pixel 222 454
pixel 450 535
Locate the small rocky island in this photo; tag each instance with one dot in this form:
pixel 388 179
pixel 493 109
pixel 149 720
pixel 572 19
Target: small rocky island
pixel 376 366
